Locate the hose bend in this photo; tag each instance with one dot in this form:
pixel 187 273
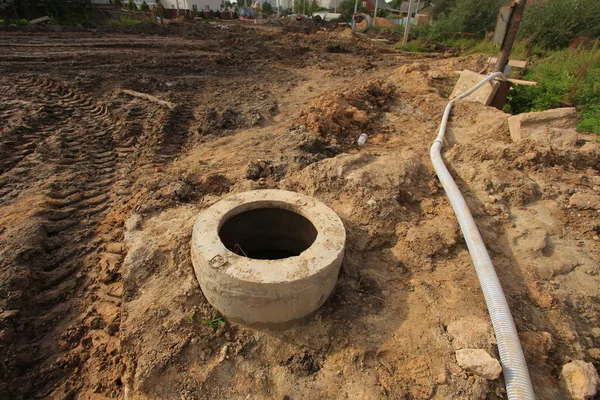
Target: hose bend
pixel 516 375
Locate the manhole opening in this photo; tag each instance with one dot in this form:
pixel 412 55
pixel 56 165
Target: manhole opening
pixel 268 234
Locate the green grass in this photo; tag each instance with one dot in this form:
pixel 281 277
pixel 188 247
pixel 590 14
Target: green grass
pixel 13 21
pixel 123 22
pixel 416 46
pixel 214 320
pixel 566 78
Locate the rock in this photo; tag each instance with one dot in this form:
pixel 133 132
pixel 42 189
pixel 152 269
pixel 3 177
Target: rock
pixel 585 201
pixel 483 95
pixel 133 223
pixel 479 362
pixel 537 344
pixel 471 332
pixel 581 379
pixel 594 352
pixel 544 124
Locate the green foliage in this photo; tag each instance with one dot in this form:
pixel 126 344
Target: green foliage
pixel 118 3
pixel 67 13
pixel 472 16
pixel 568 77
pixel 131 6
pixel 556 23
pixel 383 13
pixel 346 8
pixel 124 21
pixel 144 7
pixel 416 46
pixel 214 320
pixel 267 9
pixel 13 21
pixel 308 6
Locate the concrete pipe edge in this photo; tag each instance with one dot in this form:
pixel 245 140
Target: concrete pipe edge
pixel 257 291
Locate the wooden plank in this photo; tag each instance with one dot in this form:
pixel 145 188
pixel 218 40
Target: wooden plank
pixel 515 81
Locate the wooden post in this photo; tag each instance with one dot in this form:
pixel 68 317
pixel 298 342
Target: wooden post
pixel 406 26
pixel 511 34
pixel 375 14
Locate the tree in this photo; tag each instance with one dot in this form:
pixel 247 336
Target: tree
pixel 267 9
pixel 472 16
pixel 383 12
pixel 144 6
pixel 131 6
pixel 228 6
pixel 118 3
pixel 346 8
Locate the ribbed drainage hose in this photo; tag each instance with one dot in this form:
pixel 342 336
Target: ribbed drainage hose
pixel 518 383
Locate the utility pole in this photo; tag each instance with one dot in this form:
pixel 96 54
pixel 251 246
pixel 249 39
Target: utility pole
pixel 406 26
pixel 304 8
pixel 353 15
pixel 511 34
pixel 375 15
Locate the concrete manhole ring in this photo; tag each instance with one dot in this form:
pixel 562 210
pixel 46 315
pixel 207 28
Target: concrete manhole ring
pixel 267 256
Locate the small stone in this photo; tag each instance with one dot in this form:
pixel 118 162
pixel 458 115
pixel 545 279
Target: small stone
pixel 581 379
pixel 470 332
pixel 479 362
pixel 537 344
pixel 585 201
pixel 133 223
pixel 594 353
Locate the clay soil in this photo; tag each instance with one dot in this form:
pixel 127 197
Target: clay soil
pixel 99 191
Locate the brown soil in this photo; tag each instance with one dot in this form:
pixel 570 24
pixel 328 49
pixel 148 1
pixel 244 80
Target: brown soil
pixel 99 191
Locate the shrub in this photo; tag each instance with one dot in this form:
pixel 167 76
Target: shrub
pixel 267 9
pixel 472 16
pixel 569 77
pixel 383 13
pixel 556 23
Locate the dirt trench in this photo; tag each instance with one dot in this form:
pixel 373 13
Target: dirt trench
pixel 99 189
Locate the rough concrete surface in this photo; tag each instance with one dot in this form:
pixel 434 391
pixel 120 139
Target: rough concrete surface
pixel 261 291
pixel 550 125
pixel 467 80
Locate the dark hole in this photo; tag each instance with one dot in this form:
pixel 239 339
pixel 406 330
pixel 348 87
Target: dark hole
pixel 268 234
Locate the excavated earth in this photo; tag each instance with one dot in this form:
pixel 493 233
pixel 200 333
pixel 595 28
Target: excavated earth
pixel 99 190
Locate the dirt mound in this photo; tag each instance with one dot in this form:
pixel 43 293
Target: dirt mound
pixel 99 190
pixel 343 116
pixel 380 22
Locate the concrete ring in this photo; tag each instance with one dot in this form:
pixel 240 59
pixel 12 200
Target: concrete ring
pixel 267 256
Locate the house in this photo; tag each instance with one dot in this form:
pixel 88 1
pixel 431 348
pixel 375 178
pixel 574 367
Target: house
pixel 193 5
pixel 381 4
pixel 417 6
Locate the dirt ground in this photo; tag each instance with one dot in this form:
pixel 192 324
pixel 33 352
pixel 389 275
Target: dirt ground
pixel 99 191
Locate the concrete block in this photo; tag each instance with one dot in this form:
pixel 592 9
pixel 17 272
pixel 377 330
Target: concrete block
pixel 267 256
pixel 39 20
pixel 537 125
pixel 467 80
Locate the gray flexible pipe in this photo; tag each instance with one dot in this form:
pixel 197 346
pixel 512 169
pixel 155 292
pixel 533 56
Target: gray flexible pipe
pixel 516 375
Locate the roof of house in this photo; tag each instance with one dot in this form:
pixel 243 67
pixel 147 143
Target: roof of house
pixel 416 6
pixel 386 6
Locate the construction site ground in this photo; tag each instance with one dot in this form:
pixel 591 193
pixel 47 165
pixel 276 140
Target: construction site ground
pixel 99 190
